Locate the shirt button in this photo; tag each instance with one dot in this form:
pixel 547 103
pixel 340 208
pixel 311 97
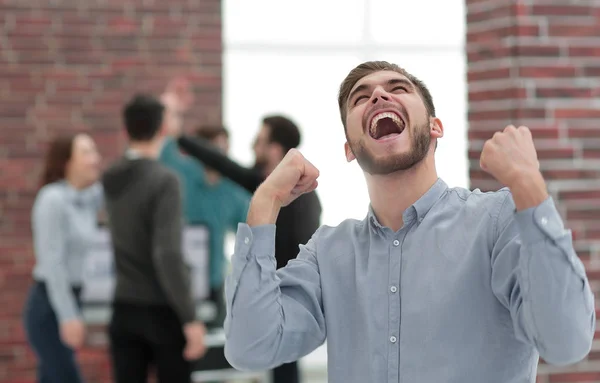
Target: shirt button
pixel 544 221
pixel 393 339
pixel 246 240
pixel 393 289
pixel 396 242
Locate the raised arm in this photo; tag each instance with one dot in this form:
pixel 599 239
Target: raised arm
pixel 204 152
pixel 273 317
pixel 536 273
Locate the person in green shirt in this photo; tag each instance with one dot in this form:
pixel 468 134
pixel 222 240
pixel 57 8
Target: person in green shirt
pixel 208 199
pixel 212 201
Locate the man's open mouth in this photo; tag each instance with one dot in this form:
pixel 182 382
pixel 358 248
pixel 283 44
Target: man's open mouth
pixel 386 125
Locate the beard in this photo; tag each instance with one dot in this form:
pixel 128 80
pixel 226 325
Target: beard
pixel 419 147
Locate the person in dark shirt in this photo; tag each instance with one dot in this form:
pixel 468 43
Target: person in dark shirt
pixel 296 222
pixel 154 316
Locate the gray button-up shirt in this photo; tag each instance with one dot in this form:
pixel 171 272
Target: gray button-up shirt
pixel 468 290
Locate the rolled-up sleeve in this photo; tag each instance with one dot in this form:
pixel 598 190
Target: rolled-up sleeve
pixel 273 317
pixel 538 276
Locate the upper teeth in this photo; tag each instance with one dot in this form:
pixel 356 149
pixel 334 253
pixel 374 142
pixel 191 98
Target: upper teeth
pixel 393 116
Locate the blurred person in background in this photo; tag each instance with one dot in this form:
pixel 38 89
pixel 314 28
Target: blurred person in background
pixel 154 316
pixel 64 221
pixel 213 201
pixel 209 199
pixel 296 222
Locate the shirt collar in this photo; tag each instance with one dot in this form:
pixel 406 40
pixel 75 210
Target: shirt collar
pixel 78 197
pixel 132 154
pixel 420 208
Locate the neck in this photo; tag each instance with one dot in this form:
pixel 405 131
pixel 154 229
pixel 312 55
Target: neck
pixel 212 176
pixel 392 194
pixel 76 184
pixel 149 149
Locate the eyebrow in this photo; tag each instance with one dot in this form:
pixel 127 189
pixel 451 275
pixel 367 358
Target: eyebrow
pixel 391 82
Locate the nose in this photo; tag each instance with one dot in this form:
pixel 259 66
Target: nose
pixel 379 93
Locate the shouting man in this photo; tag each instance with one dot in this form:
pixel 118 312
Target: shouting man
pixel 436 284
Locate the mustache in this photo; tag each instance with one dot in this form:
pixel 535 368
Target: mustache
pixel 383 105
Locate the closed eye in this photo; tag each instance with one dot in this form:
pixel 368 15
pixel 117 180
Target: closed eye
pixel 399 88
pixel 359 98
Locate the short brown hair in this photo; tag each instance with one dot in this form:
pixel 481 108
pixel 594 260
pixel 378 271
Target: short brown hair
pixel 283 131
pixel 210 132
pixel 369 67
pixel 59 153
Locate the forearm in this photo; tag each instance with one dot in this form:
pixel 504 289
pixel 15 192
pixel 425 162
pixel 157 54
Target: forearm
pixel 60 294
pixel 263 210
pixel 249 179
pixel 264 326
pixel 528 190
pixel 557 300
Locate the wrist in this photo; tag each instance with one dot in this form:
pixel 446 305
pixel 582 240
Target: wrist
pixel 264 208
pixel 528 189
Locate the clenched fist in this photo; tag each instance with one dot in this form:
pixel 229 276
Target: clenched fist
pixel 294 176
pixel 510 155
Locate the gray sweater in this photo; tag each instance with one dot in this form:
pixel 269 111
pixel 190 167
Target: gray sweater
pixel 63 223
pixel 143 202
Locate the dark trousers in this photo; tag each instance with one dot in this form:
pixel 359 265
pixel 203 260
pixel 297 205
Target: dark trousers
pixel 217 298
pixel 286 373
pixel 144 336
pixel 56 361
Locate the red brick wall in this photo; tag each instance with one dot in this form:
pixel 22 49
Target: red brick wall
pixel 69 66
pixel 537 63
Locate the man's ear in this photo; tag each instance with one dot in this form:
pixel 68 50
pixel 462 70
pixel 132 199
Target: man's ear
pixel 349 154
pixel 275 153
pixel 436 128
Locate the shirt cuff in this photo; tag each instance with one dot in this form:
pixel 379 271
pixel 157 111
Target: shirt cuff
pixel 258 240
pixel 539 223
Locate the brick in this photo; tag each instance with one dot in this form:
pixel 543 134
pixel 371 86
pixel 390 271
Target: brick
pixel 503 10
pixel 537 133
pixel 487 74
pixel 487 52
pixel 537 50
pixel 588 213
pixel 580 195
pixel 560 10
pixel 498 94
pixel 584 51
pixel 581 377
pixel 569 174
pixel 547 71
pixel 591 71
pixel 573 30
pixel 500 32
pixel 583 132
pixel 574 113
pixel 564 92
pixel 507 114
pixel 591 153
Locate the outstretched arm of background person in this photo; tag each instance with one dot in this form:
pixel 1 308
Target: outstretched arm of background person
pixel 171 157
pixel 203 151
